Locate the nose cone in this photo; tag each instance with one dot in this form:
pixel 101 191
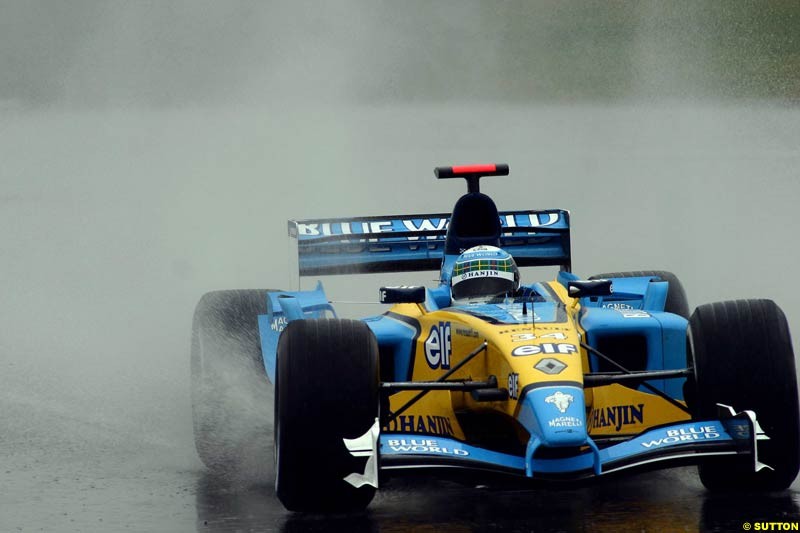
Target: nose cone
pixel 555 415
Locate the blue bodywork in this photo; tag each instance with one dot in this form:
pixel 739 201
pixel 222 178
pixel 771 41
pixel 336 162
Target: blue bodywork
pixel 423 242
pixel 398 243
pixel 636 307
pixel 283 307
pixel 720 437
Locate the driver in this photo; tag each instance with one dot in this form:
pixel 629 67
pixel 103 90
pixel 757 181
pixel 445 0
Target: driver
pixel 483 273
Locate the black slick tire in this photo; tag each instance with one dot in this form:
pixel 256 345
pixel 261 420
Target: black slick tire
pixel 231 395
pixel 742 356
pixel 676 296
pixel 326 390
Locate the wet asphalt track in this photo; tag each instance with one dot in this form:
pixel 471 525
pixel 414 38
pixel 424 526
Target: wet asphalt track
pixel 115 222
pixel 68 475
pixel 667 501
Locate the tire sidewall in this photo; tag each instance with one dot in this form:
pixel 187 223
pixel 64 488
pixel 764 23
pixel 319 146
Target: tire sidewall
pixel 326 391
pixel 742 356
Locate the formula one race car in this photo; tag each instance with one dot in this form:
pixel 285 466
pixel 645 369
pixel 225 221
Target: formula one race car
pixel 568 379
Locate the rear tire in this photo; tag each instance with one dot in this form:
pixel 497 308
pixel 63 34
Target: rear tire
pixel 231 395
pixel 676 296
pixel 326 390
pixel 743 357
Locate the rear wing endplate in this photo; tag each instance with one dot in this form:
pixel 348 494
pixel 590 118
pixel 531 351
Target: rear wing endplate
pixel 399 243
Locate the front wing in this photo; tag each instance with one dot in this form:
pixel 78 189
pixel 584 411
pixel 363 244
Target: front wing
pixel 734 434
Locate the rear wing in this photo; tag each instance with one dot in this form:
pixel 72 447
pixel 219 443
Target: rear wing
pixel 402 243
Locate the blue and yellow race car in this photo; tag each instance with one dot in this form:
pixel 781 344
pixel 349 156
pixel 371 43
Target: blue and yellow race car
pixel 484 376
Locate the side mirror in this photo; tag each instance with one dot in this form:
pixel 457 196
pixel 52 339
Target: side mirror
pixel 402 295
pixel 592 288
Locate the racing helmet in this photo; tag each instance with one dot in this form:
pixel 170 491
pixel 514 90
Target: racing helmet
pixel 483 273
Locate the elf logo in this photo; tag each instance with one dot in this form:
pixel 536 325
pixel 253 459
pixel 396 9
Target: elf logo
pixel 547 347
pixel 438 347
pixel 513 385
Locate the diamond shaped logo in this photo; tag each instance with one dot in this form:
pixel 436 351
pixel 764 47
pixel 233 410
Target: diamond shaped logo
pixel 550 366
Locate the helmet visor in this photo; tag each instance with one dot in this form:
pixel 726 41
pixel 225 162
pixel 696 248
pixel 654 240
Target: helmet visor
pixel 482 284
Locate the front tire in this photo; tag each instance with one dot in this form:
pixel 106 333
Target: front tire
pixel 326 390
pixel 743 357
pixel 231 395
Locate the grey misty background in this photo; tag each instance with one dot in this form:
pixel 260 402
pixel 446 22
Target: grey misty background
pixel 152 151
pixel 173 54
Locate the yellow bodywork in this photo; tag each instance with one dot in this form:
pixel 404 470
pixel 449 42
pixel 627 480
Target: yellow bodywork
pixel 612 410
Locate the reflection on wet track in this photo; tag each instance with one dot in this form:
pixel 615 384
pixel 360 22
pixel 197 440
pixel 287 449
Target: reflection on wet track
pixel 659 501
